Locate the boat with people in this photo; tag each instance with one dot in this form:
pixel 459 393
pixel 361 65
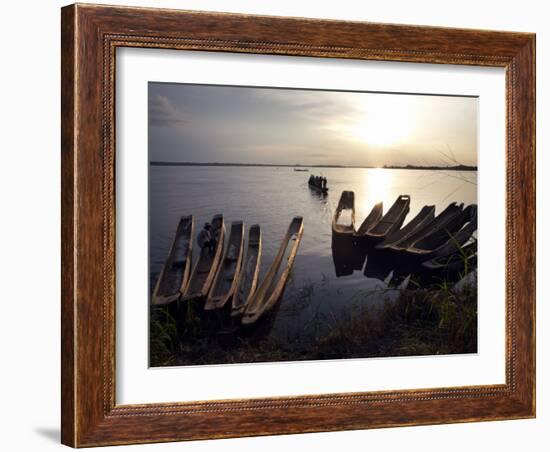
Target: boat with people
pixel 392 220
pixel 249 273
pixel 318 183
pixel 174 276
pixel 343 221
pixel 273 284
pixel 207 264
pixel 227 276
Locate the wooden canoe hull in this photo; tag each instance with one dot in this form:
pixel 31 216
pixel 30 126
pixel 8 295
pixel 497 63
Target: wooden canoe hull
pixel 392 220
pixel 174 276
pixel 250 272
pixel 205 269
pixel 272 287
pixel 346 202
pixel 228 273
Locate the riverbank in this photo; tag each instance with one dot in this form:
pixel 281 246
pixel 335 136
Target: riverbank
pixel 428 321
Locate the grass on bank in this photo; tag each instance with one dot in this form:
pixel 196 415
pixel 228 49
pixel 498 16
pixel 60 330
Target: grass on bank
pixel 425 321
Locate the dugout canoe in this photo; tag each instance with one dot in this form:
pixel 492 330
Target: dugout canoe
pixel 450 212
pixel 346 206
pixel 425 216
pixel 228 273
pixel 466 256
pixel 207 264
pixel 272 286
pixel 174 275
pixel 250 272
pixel 372 219
pixel 448 238
pixel 393 219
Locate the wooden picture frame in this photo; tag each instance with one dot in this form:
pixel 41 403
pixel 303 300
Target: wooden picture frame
pixel 90 36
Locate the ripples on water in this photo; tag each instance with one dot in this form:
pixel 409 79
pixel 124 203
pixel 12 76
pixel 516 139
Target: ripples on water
pixel 271 197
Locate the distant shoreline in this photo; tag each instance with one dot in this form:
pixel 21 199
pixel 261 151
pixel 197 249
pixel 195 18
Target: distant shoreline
pixel 271 165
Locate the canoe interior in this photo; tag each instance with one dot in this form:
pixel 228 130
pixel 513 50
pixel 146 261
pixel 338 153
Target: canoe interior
pixel 372 218
pixel 174 275
pixel 275 279
pixel 207 264
pixel 393 219
pixel 250 271
pixel 344 215
pixel 228 271
pixel 425 216
pixel 451 211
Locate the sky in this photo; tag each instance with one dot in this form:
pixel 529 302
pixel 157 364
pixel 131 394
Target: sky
pixel 229 124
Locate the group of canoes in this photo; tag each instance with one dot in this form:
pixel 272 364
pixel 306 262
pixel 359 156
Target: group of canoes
pixel 226 276
pixel 428 240
pixel 318 183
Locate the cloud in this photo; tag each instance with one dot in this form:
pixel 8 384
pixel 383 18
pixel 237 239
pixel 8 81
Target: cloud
pixel 163 113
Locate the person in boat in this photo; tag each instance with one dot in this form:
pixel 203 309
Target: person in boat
pixel 205 239
pixel 324 183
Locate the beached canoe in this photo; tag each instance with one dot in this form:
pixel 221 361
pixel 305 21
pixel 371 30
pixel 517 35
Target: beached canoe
pixel 393 219
pixel 273 284
pixel 450 212
pixel 459 261
pixel 343 221
pixel 174 275
pixel 372 219
pixel 250 272
pixel 448 238
pixel 227 277
pixel 425 216
pixel 207 264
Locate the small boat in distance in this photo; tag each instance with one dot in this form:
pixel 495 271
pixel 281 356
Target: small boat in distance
pixel 301 169
pixel 249 273
pixel 273 284
pixel 343 221
pixel 207 264
pixel 174 275
pixel 227 277
pixel 425 216
pixel 393 219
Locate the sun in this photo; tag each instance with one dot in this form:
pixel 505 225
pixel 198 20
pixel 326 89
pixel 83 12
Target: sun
pixel 381 123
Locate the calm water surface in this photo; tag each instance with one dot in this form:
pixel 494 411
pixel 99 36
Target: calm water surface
pixel 271 197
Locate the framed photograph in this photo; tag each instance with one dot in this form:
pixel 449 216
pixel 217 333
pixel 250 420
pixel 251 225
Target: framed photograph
pixel 281 225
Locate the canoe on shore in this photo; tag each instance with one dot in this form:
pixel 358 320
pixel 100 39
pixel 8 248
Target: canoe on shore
pixel 250 272
pixel 174 275
pixel 425 216
pixel 393 219
pixel 450 212
pixel 450 237
pixel 372 219
pixel 227 277
pixel 343 221
pixel 462 259
pixel 272 286
pixel 205 269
